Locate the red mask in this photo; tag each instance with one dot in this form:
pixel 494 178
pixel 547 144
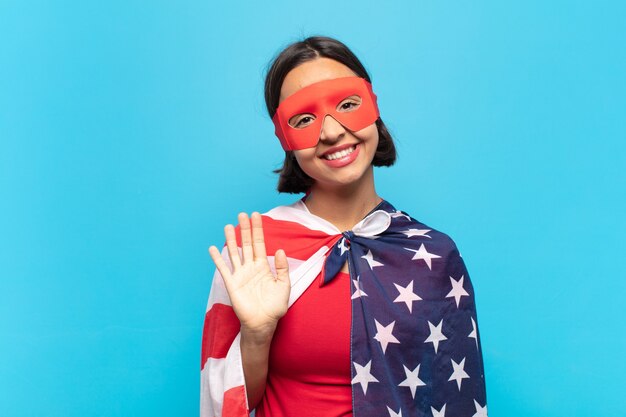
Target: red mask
pixel 317 100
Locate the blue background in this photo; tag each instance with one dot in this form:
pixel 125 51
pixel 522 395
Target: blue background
pixel 132 132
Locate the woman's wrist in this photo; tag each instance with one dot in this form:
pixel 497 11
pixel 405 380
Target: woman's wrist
pixel 259 337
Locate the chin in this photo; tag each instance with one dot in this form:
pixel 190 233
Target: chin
pixel 344 179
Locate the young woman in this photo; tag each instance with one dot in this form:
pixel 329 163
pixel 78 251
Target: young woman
pixel 362 310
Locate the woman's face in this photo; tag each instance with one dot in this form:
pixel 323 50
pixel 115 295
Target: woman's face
pixel 340 157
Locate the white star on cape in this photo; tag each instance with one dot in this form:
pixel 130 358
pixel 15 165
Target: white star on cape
pixel 416 232
pixel 363 375
pixel 480 411
pixel 422 253
pixel 370 260
pixel 384 334
pixel 358 291
pixel 406 296
pixel 412 381
pixel 459 373
pixel 440 413
pixel 342 246
pixel 435 334
pixel 393 413
pixel 457 290
pixel 474 333
pixel 399 213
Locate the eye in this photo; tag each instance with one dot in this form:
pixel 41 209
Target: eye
pixel 349 104
pixel 301 121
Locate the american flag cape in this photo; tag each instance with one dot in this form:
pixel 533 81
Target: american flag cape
pixel 415 344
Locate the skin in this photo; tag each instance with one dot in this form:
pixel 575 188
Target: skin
pixel 342 196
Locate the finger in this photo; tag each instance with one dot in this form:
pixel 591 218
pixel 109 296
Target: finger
pixel 282 267
pixel 246 237
pixel 231 244
pixel 221 265
pixel 258 240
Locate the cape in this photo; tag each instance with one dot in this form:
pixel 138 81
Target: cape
pixel 415 344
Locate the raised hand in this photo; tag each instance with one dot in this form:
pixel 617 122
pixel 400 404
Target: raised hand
pixel 259 297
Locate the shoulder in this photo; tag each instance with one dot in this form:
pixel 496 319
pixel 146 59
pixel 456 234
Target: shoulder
pixel 432 247
pixel 402 223
pixel 277 215
pixel 285 211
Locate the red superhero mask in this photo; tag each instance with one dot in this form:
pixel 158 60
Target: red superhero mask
pixel 317 100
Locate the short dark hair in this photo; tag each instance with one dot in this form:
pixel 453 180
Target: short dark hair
pixel 292 178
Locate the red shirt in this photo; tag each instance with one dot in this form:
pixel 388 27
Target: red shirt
pixel 309 362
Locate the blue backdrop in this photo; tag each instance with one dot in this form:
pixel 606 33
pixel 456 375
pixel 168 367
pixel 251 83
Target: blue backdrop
pixel 133 131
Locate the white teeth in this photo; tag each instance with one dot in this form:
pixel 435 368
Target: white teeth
pixel 340 154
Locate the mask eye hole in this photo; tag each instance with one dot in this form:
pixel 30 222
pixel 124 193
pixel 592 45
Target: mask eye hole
pixel 300 121
pixel 349 104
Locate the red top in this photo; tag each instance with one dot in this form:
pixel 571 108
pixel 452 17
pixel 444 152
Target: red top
pixel 309 362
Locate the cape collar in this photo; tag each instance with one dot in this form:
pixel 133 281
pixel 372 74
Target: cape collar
pixel 374 223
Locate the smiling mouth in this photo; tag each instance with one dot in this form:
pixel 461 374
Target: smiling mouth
pixel 340 154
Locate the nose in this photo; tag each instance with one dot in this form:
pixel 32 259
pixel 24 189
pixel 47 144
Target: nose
pixel 332 130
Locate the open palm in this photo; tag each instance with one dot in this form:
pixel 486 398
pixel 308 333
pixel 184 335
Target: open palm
pixel 259 297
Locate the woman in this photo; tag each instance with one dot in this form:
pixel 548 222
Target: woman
pixel 389 327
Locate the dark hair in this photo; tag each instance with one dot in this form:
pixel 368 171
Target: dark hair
pixel 292 178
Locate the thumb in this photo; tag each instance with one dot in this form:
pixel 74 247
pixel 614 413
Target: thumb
pixel 282 267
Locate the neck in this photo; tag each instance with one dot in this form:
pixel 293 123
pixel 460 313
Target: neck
pixel 344 206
